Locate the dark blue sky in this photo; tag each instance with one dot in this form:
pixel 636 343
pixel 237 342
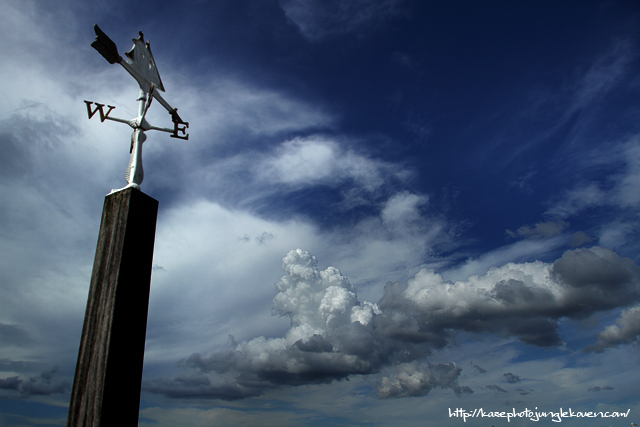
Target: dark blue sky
pixel 481 101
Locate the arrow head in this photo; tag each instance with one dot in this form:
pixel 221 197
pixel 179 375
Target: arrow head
pixel 142 62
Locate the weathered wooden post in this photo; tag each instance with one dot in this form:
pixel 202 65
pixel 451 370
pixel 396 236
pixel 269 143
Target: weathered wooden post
pixel 108 378
pixel 106 387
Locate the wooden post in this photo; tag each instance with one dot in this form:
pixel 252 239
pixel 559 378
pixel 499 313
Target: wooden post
pixel 108 378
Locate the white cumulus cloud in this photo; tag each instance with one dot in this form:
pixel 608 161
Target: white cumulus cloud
pixel 333 335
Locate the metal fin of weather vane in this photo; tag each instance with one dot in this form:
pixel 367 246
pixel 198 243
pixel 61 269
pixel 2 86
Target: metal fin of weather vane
pixel 142 67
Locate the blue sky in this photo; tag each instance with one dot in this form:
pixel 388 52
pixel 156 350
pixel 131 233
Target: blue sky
pixel 385 209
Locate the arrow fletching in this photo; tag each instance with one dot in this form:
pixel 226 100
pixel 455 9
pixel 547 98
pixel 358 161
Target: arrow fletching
pixel 105 46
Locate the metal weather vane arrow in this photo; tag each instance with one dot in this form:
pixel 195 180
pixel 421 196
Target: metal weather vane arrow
pixel 142 67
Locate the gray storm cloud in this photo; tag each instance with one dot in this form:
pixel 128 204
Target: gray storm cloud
pixel 44 384
pixel 334 335
pixel 524 300
pixel 625 331
pixel 413 379
pixel 511 378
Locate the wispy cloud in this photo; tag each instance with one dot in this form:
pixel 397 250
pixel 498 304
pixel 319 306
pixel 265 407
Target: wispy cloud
pixel 603 75
pixel 578 199
pixel 317 19
pixel 540 230
pixel 562 114
pixel 618 194
pixel 318 160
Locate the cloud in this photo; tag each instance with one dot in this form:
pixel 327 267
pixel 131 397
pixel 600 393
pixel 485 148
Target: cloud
pixel 331 337
pixel 14 335
pixel 402 208
pixel 570 108
pixel 519 251
pixel 18 366
pixel 613 196
pixel 10 383
pixel 322 306
pixel 625 193
pixel 317 160
pixel 540 230
pixel 480 369
pixel 204 240
pixel 58 177
pixel 264 237
pixel 578 199
pixel 598 388
pixel 41 385
pixel 57 167
pixel 619 234
pixel 199 386
pixel 511 378
pixel 523 183
pixel 599 268
pixel 496 388
pixel 234 106
pixel 227 415
pixel 325 178
pixel 413 379
pixel 334 335
pixel 619 191
pixel 625 331
pixel 580 238
pixel 603 75
pixel 524 300
pixel 318 19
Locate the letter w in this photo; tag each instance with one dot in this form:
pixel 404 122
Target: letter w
pixel 99 107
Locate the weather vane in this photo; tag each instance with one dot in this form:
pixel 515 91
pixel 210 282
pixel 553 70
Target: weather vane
pixel 142 67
